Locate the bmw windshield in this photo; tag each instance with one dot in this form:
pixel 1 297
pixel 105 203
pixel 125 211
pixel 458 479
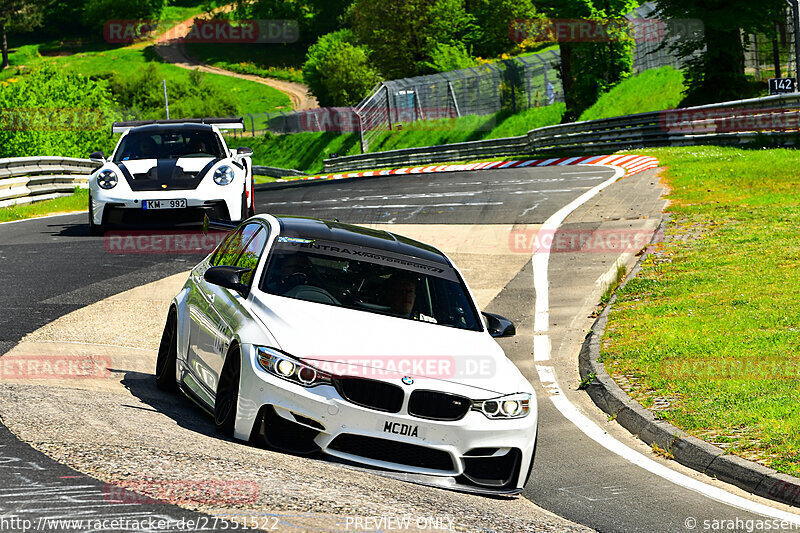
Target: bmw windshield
pixel 370 280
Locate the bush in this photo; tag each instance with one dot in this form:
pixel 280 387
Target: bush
pixel 337 70
pixel 143 93
pixel 447 57
pixel 55 112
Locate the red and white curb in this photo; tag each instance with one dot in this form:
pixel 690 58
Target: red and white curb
pixel 631 163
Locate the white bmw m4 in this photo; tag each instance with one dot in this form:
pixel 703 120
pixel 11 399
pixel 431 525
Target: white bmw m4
pixel 309 336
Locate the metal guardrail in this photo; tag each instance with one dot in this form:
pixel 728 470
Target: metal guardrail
pixel 31 179
pixel 742 122
pixel 275 172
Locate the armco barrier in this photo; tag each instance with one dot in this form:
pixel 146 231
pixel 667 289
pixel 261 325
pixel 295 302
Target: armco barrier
pixel 31 179
pixel 275 172
pixel 742 122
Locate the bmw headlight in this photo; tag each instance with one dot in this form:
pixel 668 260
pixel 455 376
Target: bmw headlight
pixel 511 406
pixel 287 367
pixel 107 179
pixel 223 175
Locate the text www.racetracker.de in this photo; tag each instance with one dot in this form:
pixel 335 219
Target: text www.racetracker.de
pixel 152 523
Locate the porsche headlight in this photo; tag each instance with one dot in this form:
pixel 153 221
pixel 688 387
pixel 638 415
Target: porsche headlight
pixel 287 367
pixel 511 406
pixel 223 175
pixel 107 179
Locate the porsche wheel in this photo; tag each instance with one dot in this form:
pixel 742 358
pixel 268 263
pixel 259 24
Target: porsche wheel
pixel 228 394
pixel 168 354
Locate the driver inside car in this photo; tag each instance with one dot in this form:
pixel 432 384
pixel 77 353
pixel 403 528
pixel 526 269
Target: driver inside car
pixel 401 294
pixel 294 269
pixel 147 148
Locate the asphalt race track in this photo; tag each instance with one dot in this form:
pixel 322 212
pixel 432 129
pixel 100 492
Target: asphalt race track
pixel 50 267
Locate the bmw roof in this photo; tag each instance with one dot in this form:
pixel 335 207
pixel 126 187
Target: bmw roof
pixel 314 228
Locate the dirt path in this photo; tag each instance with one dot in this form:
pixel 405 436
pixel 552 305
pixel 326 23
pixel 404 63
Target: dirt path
pixel 171 49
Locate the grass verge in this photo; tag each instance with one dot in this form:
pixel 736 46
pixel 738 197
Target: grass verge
pixel 711 326
pixel 76 202
pixel 652 90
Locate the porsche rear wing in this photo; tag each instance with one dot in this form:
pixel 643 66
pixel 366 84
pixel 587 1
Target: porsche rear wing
pixel 222 123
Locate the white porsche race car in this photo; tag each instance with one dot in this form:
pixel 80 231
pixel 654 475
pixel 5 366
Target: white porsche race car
pixel 169 172
pixel 313 336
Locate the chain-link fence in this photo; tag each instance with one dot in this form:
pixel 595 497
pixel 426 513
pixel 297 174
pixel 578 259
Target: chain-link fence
pixel 649 33
pixel 771 56
pixel 519 83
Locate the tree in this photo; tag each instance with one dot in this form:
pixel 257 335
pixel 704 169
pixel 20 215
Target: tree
pixel 405 33
pixel 337 69
pixel 590 68
pixel 17 15
pixel 714 66
pixel 492 20
pixel 348 77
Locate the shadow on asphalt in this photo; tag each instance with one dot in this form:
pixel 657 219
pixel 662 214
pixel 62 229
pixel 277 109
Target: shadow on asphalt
pixel 175 405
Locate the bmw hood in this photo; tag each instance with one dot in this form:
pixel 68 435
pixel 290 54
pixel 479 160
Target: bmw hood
pixel 359 343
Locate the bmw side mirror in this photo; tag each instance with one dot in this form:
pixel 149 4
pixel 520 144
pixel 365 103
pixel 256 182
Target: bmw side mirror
pixel 98 157
pixel 243 150
pixel 228 277
pixel 499 326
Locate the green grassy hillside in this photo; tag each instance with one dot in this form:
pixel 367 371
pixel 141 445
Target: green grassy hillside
pixel 305 151
pixel 652 90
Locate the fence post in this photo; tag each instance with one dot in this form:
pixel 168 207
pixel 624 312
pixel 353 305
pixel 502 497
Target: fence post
pixel 419 105
pixel 388 106
pixel 453 96
pixel 364 146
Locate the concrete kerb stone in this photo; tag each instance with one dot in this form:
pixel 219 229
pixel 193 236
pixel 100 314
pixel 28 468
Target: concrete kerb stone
pixel 780 487
pixel 687 450
pixel 737 471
